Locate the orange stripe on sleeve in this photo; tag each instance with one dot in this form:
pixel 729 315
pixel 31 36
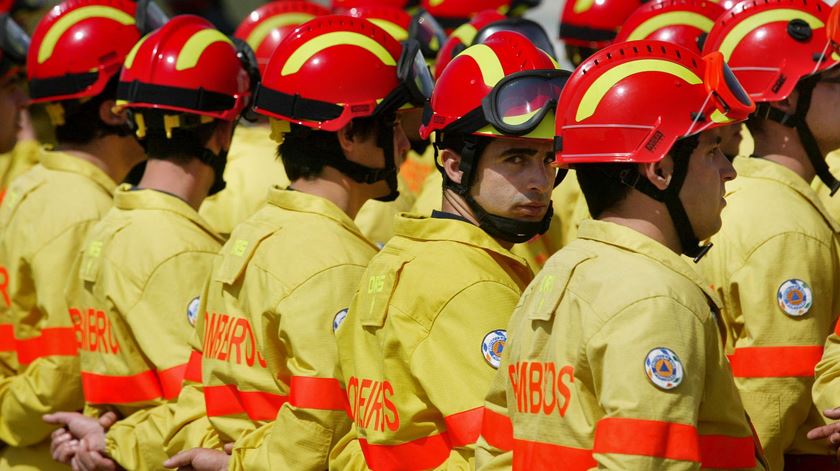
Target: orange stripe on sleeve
pixel 308 392
pixel 528 455
pixel 193 372
pixel 775 362
pixel 141 387
pixel 228 400
pixel 54 341
pixel 7 338
pixel 464 427
pixel 647 438
pixel 423 453
pixel 497 429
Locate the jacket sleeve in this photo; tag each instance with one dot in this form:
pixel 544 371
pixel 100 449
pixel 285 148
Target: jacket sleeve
pixel 49 377
pixel 778 348
pixel 160 320
pixel 494 449
pixel 299 346
pixel 826 390
pixel 457 392
pixel 649 422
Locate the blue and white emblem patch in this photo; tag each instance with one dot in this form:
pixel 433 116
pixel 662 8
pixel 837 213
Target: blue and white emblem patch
pixel 663 368
pixel 192 310
pixel 795 297
pixel 339 319
pixel 492 347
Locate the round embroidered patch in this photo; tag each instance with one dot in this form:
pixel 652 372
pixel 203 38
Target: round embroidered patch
pixel 794 297
pixel 492 347
pixel 663 368
pixel 339 318
pixel 192 310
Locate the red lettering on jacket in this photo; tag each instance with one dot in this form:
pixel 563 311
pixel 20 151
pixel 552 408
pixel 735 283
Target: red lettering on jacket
pixel 225 338
pixel 4 286
pixel 541 387
pixel 371 404
pixel 94 331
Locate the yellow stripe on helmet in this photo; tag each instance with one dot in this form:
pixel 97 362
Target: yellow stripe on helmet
pixel 731 41
pixel 582 5
pixel 487 61
pixel 196 45
pixel 278 21
pixel 603 84
pixel 129 59
pixel 719 117
pixel 465 33
pixel 396 31
pixel 338 38
pixel 668 19
pixel 67 21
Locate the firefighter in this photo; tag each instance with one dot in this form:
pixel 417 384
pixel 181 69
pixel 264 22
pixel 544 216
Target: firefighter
pixel 14 44
pixel 74 58
pixel 134 289
pixel 615 359
pixel 779 276
pixel 420 342
pixel 289 272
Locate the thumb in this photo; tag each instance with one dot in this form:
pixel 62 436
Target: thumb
pixel 229 448
pixel 107 420
pixel 183 458
pixel 59 418
pixel 832 413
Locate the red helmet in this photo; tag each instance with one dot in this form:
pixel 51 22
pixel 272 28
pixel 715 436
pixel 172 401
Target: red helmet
pixel 186 66
pixel 365 68
pixel 473 76
pixel 266 26
pixel 14 43
pixel 593 24
pixel 683 22
pixel 78 47
pixel 772 45
pixel 630 102
pixel 454 13
pixel 392 19
pixel 340 5
pixel 463 37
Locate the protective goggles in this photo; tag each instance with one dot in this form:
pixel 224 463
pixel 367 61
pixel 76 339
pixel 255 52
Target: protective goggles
pixel 428 32
pixel 149 16
pixel 727 100
pixel 14 42
pixel 832 30
pixel 530 29
pixel 415 88
pixel 517 104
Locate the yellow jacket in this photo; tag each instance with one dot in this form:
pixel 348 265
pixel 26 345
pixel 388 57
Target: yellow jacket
pixel 15 163
pixel 775 267
pixel 636 377
pixel 43 222
pixel 420 343
pixel 253 167
pixel 285 277
pixel 136 287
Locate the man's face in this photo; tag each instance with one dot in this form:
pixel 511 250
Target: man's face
pixel 514 178
pixel 12 101
pixel 703 189
pixel 731 140
pixel 822 118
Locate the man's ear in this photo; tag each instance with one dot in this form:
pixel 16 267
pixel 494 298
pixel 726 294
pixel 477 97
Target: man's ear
pixel 107 115
pixel 658 173
pixel 451 165
pixel 223 135
pixel 345 138
pixel 788 104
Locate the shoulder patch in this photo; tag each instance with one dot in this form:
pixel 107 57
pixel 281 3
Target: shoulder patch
pixel 492 347
pixel 339 318
pixel 664 368
pixel 794 297
pixel 192 310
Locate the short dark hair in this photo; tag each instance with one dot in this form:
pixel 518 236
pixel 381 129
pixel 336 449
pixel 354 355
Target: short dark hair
pixel 183 143
pixel 305 151
pixel 82 123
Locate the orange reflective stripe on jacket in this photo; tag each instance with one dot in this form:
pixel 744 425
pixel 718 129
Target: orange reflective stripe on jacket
pixel 52 341
pixel 317 393
pixel 145 386
pixel 7 338
pixel 497 429
pixel 528 455
pixel 228 400
pixel 775 362
pixel 463 428
pixel 193 371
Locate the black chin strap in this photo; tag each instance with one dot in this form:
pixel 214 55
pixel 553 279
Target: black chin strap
pixel 368 175
pixel 806 137
pixel 681 153
pixel 217 162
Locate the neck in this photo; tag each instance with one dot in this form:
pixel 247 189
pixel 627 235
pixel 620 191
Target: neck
pixel 335 187
pixel 114 155
pixel 781 145
pixel 454 203
pixel 646 216
pixel 188 179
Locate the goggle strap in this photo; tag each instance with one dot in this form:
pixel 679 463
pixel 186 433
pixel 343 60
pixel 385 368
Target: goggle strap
pixel 59 86
pixel 187 98
pixel 296 107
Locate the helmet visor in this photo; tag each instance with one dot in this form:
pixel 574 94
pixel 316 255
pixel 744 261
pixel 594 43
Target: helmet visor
pixel 519 102
pixel 731 100
pixel 414 74
pixel 149 16
pixel 428 32
pixel 525 27
pixel 13 40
